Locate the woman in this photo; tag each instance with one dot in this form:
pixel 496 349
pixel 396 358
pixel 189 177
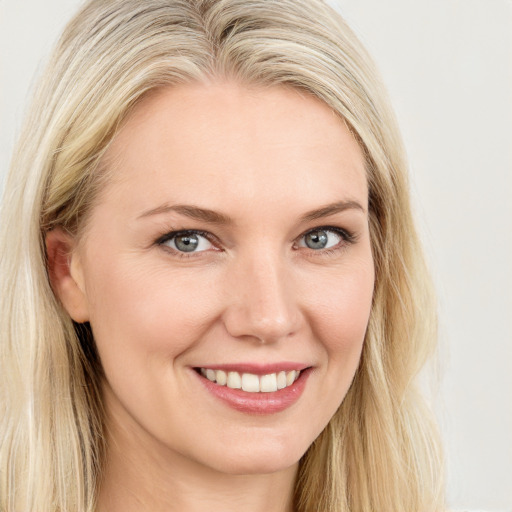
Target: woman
pixel 213 290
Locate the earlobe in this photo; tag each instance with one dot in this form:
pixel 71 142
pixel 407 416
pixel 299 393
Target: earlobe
pixel 65 273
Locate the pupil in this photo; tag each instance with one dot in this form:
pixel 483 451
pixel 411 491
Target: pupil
pixel 186 243
pixel 316 239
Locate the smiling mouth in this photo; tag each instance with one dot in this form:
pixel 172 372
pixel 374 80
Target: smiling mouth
pixel 250 382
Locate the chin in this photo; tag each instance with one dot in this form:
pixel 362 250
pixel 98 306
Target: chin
pixel 256 459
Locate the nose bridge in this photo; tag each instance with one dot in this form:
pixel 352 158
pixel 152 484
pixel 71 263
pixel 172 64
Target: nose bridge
pixel 262 304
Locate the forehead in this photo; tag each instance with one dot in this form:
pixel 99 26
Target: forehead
pixel 227 142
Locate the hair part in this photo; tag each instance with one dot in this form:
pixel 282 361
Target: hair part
pixel 380 451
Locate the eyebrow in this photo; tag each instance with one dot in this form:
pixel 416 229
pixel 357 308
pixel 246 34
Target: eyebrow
pixel 332 209
pixel 190 211
pixel 214 217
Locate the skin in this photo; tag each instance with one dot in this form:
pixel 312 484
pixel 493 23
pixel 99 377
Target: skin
pixel 255 292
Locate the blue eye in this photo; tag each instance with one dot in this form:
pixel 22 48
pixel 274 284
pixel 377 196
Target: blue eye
pixel 321 238
pixel 187 241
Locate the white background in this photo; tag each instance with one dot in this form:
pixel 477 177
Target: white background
pixel 448 67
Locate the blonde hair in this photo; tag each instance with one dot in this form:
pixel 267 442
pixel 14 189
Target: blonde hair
pixel 380 451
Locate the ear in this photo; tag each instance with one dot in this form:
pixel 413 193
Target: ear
pixel 66 274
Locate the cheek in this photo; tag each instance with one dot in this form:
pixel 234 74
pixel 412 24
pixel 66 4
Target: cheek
pixel 138 312
pixel 341 309
pixel 340 322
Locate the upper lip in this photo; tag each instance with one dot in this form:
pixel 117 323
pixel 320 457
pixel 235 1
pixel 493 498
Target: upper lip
pixel 256 368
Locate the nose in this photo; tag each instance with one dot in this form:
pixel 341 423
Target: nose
pixel 262 305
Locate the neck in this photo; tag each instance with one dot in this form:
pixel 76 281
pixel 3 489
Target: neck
pixel 141 476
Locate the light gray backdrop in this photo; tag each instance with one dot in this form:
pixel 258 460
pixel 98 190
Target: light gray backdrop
pixel 448 67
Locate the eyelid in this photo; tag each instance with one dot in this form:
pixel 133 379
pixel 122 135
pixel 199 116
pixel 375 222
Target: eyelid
pixel 344 233
pixel 348 237
pixel 170 235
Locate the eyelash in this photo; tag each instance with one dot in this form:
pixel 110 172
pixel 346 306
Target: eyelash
pixel 175 233
pixel 347 237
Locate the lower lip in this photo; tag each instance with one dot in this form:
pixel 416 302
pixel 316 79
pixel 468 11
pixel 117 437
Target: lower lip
pixel 258 403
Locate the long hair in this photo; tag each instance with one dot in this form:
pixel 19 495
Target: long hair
pixel 380 451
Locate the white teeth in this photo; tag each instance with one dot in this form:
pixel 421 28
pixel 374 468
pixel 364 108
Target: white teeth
pixel 268 383
pixel 281 380
pixel 250 382
pixel 234 380
pixel 221 377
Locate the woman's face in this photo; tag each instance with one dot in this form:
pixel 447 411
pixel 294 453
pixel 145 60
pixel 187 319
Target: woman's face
pixel 231 243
